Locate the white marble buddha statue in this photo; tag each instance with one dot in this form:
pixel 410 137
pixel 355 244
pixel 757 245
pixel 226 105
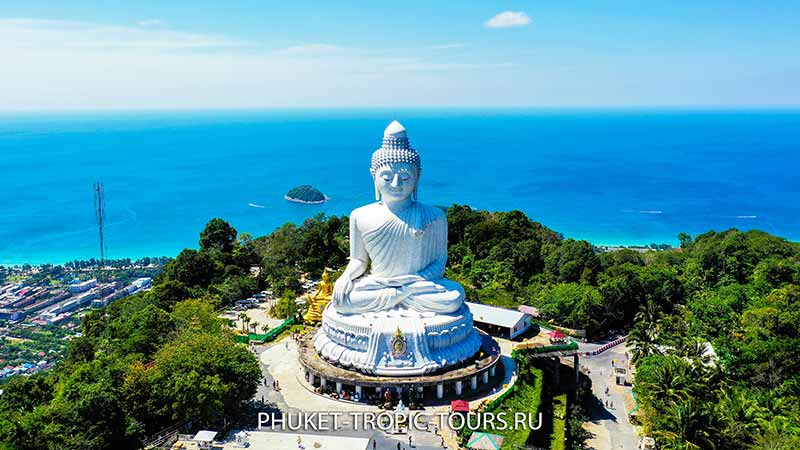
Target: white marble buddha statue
pixel 402 241
pixel 393 313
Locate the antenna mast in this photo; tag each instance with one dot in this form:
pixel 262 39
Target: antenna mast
pixel 100 215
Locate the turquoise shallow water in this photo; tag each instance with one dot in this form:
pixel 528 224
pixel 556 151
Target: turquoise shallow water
pixel 612 177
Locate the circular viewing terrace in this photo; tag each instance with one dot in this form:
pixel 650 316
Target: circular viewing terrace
pixel 478 374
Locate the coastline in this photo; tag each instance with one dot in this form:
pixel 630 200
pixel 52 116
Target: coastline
pixel 306 202
pixel 604 246
pixel 54 261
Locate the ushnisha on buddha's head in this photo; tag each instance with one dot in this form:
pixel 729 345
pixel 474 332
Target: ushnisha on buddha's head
pixel 395 168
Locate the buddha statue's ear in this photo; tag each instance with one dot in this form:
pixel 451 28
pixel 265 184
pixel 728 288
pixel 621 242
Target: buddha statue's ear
pixel 375 185
pixel 416 186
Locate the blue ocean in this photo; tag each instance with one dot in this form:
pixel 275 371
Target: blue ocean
pixel 607 176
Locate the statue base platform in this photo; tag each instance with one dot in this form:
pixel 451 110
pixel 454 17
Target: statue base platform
pixel 471 379
pixel 398 342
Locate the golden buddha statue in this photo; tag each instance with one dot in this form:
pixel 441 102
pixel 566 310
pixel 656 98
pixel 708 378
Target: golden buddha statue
pixel 319 300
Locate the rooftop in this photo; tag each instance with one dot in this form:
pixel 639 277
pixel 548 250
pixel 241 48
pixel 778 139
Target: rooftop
pixel 495 315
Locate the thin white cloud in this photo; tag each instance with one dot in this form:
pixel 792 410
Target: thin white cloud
pixel 310 50
pixel 150 23
pixel 446 46
pixel 102 66
pixel 55 34
pixel 508 19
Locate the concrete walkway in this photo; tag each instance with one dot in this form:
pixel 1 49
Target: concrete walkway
pixel 279 361
pixel 609 425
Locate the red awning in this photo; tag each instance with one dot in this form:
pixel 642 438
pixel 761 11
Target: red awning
pixel 556 334
pixel 459 406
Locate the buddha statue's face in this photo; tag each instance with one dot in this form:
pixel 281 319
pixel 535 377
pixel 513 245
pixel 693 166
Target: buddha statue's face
pixel 396 181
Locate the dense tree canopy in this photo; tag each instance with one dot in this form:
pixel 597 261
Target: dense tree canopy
pixel 218 236
pixel 738 293
pixel 163 357
pixel 290 252
pixel 145 362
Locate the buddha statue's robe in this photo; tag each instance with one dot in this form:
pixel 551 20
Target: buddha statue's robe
pixel 407 252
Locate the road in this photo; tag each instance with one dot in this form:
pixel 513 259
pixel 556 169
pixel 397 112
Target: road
pixel 609 424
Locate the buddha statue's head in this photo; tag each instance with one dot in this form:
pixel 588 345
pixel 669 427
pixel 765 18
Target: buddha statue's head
pixel 395 166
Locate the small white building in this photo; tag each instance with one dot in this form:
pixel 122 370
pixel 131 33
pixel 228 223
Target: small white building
pixel 506 323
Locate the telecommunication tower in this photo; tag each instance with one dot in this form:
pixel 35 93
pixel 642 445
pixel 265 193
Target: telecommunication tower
pixel 100 215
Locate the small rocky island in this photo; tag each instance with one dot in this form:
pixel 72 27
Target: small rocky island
pixel 305 194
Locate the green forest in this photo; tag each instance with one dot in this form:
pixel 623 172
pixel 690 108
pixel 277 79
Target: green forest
pixel 146 362
pixel 163 357
pixel 737 291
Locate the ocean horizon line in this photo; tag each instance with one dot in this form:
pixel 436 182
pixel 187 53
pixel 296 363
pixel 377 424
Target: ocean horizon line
pixel 381 108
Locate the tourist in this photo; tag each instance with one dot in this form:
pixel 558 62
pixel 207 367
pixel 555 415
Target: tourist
pixel 409 441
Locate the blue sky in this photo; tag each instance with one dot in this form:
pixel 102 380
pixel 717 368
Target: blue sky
pixel 259 54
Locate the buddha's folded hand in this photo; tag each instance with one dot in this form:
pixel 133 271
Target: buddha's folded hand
pixel 398 281
pixel 341 289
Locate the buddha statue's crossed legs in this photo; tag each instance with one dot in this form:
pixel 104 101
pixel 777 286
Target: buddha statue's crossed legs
pixel 441 296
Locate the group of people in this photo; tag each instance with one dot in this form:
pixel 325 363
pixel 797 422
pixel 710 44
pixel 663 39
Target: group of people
pixel 399 447
pixel 343 395
pixel 275 384
pixel 608 402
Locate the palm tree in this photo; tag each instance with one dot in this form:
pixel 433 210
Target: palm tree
pixel 684 423
pixel 776 405
pixel 671 383
pixel 694 350
pixel 649 314
pixel 739 416
pixel 775 435
pixel 253 327
pixel 245 320
pixel 265 328
pixel 642 341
